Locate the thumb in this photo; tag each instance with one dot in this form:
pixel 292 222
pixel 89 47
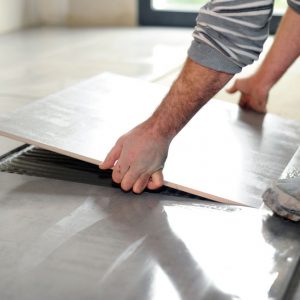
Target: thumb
pixel 232 89
pixel 156 181
pixel 111 157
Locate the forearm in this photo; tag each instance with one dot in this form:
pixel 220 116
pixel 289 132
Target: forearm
pixel 192 89
pixel 284 51
pixel 229 35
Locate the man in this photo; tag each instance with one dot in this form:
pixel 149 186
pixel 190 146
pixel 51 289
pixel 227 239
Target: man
pixel 229 35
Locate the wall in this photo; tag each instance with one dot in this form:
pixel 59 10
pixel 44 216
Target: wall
pixel 53 12
pixel 88 12
pixel 15 14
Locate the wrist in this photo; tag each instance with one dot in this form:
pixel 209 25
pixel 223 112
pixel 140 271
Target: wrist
pixel 263 80
pixel 159 128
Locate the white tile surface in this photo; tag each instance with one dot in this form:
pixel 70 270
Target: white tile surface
pixel 85 120
pixel 223 154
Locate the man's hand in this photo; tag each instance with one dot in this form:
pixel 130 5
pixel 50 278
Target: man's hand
pixel 284 51
pixel 138 158
pixel 254 96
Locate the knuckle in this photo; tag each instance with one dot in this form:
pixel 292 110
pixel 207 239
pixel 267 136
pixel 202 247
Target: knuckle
pixel 145 177
pixel 135 172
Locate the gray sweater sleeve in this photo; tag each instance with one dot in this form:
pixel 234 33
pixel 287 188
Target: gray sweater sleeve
pixel 295 5
pixel 230 33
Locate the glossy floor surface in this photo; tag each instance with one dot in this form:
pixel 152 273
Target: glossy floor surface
pixel 63 240
pixel 224 154
pixel 89 242
pixel 38 62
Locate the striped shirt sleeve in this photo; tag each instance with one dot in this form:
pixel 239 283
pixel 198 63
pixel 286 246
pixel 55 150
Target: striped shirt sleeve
pixel 295 5
pixel 230 33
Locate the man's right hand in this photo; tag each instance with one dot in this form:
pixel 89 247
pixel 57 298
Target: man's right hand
pixel 138 158
pixel 254 96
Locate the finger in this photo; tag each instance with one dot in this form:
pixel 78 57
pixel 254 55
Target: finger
pixel 258 107
pixel 263 110
pixel 251 104
pixel 232 89
pixel 119 171
pixel 111 157
pixel 157 180
pixel 243 102
pixel 246 106
pixel 262 107
pixel 242 105
pixel 141 183
pixel 129 179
